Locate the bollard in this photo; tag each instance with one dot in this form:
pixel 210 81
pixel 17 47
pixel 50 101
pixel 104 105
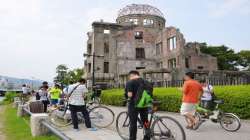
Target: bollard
pixel 20 111
pixel 15 104
pixel 37 128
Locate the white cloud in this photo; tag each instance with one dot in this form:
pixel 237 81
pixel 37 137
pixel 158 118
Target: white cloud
pixel 228 7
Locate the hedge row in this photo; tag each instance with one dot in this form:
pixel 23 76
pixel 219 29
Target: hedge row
pixel 236 98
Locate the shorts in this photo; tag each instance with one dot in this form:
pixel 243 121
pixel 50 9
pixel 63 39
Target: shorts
pixel 188 108
pixel 54 101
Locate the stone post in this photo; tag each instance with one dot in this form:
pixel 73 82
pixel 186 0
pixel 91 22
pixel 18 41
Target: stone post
pixel 16 102
pixel 20 111
pixel 37 129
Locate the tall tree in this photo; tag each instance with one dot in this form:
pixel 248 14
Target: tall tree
pixel 244 59
pixel 61 76
pixel 226 57
pixel 75 74
pixel 66 76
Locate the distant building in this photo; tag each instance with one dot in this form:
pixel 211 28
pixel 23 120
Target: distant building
pixel 140 40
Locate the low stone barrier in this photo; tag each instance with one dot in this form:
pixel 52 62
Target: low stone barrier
pixel 39 123
pixel 37 129
pixel 20 110
pixel 16 102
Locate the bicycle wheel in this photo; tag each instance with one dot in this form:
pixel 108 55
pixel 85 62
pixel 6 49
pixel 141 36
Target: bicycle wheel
pixel 59 118
pixel 230 122
pixel 122 125
pixel 167 128
pixel 101 116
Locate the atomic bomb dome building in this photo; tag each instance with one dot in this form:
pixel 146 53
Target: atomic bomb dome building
pixel 141 40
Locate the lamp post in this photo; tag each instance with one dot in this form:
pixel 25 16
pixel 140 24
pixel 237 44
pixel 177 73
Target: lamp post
pixel 93 63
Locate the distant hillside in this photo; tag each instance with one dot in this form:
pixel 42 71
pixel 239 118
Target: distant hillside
pixel 7 82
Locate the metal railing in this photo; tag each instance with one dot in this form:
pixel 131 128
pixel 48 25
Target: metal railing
pixel 55 131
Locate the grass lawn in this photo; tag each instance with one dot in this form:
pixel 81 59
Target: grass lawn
pixel 16 128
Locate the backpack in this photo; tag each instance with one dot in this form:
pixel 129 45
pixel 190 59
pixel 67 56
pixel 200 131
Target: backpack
pixel 144 95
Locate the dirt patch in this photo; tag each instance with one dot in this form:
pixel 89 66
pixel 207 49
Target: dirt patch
pixel 2 136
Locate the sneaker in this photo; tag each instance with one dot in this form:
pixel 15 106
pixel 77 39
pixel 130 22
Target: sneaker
pixel 93 129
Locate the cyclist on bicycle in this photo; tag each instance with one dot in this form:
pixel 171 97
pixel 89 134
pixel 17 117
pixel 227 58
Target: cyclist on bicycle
pixel 191 96
pixel 207 96
pixel 132 87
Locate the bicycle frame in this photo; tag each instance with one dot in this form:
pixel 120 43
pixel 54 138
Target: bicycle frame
pixel 153 117
pixel 200 109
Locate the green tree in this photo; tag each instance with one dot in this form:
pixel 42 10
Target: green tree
pixel 61 71
pixel 244 59
pixel 75 74
pixel 66 76
pixel 226 57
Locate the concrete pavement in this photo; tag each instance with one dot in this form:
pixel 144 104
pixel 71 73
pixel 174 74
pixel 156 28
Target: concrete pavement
pixel 207 131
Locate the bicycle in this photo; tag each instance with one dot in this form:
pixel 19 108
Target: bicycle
pixel 100 116
pixel 157 128
pixel 96 97
pixel 218 116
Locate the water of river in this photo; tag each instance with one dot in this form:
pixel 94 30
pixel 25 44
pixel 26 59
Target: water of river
pixel 1 98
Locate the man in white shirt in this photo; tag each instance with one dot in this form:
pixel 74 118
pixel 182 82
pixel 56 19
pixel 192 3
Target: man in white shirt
pixel 25 89
pixel 25 93
pixel 76 93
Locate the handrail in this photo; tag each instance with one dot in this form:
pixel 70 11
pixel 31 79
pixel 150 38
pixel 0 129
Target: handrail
pixel 55 131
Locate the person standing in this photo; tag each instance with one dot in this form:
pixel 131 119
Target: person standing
pixel 25 92
pixel 55 94
pixel 75 95
pixel 192 91
pixel 132 87
pixel 43 94
pixel 207 96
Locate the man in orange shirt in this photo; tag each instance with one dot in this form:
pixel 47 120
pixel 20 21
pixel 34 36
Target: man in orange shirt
pixel 192 91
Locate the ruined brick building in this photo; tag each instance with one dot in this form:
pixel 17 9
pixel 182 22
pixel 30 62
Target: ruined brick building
pixel 141 40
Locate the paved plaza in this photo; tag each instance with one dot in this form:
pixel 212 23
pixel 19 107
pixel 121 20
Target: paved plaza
pixel 207 131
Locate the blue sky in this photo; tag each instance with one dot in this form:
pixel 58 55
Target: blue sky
pixel 37 35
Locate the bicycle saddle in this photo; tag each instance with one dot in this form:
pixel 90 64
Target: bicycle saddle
pixel 218 101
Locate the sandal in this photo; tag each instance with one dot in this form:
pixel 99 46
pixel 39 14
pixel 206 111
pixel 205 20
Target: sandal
pixel 189 127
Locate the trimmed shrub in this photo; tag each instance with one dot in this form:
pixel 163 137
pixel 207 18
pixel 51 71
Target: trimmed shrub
pixel 9 97
pixel 236 98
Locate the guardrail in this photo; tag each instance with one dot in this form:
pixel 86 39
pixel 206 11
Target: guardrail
pixel 48 126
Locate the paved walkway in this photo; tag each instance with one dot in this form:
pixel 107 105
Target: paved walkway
pixel 208 131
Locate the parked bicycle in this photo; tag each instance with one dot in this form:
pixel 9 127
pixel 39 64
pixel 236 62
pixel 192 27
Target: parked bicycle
pixel 228 121
pixel 96 97
pixel 159 127
pixel 100 116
